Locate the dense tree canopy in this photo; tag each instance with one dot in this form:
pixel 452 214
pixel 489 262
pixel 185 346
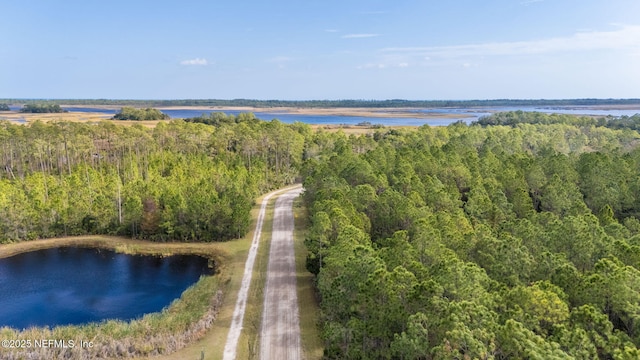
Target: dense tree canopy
pixel 459 242
pixel 131 113
pixel 495 242
pixel 4 107
pixel 513 118
pixel 178 181
pixel 38 108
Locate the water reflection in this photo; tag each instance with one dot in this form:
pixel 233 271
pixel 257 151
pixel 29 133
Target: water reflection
pixel 71 285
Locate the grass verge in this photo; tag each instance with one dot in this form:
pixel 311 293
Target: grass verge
pixel 312 347
pixel 249 342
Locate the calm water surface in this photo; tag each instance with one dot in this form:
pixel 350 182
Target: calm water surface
pixel 460 114
pixel 467 115
pixel 63 286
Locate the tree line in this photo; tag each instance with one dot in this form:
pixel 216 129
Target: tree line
pixel 514 118
pixel 132 113
pixel 39 108
pixel 179 181
pixel 336 103
pixel 469 242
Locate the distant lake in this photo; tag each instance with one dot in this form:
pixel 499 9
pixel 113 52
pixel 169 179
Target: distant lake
pixel 70 285
pixel 463 114
pixel 467 115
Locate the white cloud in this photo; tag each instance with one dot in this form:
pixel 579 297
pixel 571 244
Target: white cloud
pixel 359 36
pixel 625 38
pixel 382 65
pixel 196 61
pixel 371 66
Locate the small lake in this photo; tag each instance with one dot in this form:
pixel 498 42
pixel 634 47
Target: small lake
pixel 71 285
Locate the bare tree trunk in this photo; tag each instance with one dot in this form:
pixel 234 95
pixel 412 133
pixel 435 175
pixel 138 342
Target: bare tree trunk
pixel 66 154
pixel 119 195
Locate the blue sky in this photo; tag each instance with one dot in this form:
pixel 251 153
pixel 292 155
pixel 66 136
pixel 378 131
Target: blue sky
pixel 320 49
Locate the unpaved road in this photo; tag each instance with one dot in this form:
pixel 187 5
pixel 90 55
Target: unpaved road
pixel 280 333
pixel 231 345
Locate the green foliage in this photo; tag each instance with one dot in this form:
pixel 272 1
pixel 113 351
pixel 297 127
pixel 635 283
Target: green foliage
pixel 131 113
pixel 218 118
pixel 41 108
pixel 4 107
pixel 176 182
pixel 346 103
pixel 514 118
pixel 473 242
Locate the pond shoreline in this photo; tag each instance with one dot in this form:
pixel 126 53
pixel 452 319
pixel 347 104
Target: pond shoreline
pixel 181 323
pixel 118 244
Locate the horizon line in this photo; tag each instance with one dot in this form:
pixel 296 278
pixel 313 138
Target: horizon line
pixel 329 100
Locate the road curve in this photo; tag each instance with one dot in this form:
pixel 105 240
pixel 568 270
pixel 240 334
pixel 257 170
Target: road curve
pixel 280 333
pixel 230 347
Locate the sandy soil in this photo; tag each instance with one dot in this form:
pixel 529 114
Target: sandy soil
pixel 231 345
pixel 275 111
pixel 280 334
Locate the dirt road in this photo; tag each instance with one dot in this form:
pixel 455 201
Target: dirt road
pixel 231 345
pixel 280 334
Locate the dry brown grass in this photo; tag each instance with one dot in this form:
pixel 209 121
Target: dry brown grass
pixel 357 130
pixel 73 117
pixel 358 112
pixel 216 251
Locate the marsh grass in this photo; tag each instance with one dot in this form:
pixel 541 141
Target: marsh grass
pixel 182 322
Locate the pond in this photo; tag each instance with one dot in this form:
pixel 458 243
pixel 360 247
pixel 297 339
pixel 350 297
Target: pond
pixel 74 285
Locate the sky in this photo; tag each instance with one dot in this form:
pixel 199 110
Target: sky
pixel 320 49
